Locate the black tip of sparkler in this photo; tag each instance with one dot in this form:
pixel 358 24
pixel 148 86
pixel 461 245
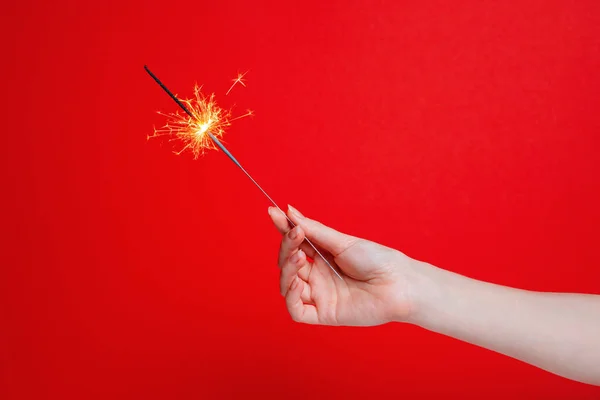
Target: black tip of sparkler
pixel 179 103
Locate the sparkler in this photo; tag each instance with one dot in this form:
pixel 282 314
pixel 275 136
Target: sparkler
pixel 204 124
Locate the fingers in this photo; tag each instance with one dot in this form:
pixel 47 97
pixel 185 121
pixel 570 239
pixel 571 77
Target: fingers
pixel 280 221
pixel 289 270
pixel 294 268
pixel 293 263
pixel 299 311
pixel 323 236
pixel 283 226
pixel 290 244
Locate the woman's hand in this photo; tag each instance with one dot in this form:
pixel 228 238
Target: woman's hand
pixel 377 280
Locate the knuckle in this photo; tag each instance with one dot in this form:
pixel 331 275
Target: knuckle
pixel 347 243
pixel 295 316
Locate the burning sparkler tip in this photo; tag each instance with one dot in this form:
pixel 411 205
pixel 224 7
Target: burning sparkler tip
pixel 204 123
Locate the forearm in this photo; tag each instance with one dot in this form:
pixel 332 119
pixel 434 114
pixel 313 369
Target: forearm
pixel 553 331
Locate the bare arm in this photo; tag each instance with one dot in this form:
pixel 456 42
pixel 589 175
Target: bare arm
pixel 558 332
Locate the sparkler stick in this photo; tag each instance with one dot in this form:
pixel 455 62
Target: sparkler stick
pixel 235 161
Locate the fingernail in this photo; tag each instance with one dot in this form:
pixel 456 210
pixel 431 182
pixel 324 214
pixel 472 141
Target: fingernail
pixel 293 233
pixel 270 210
pixel 295 212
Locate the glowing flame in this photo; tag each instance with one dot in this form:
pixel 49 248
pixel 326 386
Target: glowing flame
pixel 192 131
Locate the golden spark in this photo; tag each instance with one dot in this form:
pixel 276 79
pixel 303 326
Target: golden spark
pixel 239 79
pixel 192 130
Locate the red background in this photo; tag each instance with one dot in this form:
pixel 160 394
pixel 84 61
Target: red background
pixel 463 133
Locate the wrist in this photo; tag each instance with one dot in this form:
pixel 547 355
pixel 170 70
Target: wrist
pixel 426 289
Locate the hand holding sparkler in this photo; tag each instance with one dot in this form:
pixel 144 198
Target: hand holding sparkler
pixel 375 286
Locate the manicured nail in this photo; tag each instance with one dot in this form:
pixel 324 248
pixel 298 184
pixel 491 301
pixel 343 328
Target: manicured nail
pixel 295 212
pixel 293 233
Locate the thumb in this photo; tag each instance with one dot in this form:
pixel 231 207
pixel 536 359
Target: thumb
pixel 323 236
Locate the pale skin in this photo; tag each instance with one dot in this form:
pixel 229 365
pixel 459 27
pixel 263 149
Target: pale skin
pixel 557 332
